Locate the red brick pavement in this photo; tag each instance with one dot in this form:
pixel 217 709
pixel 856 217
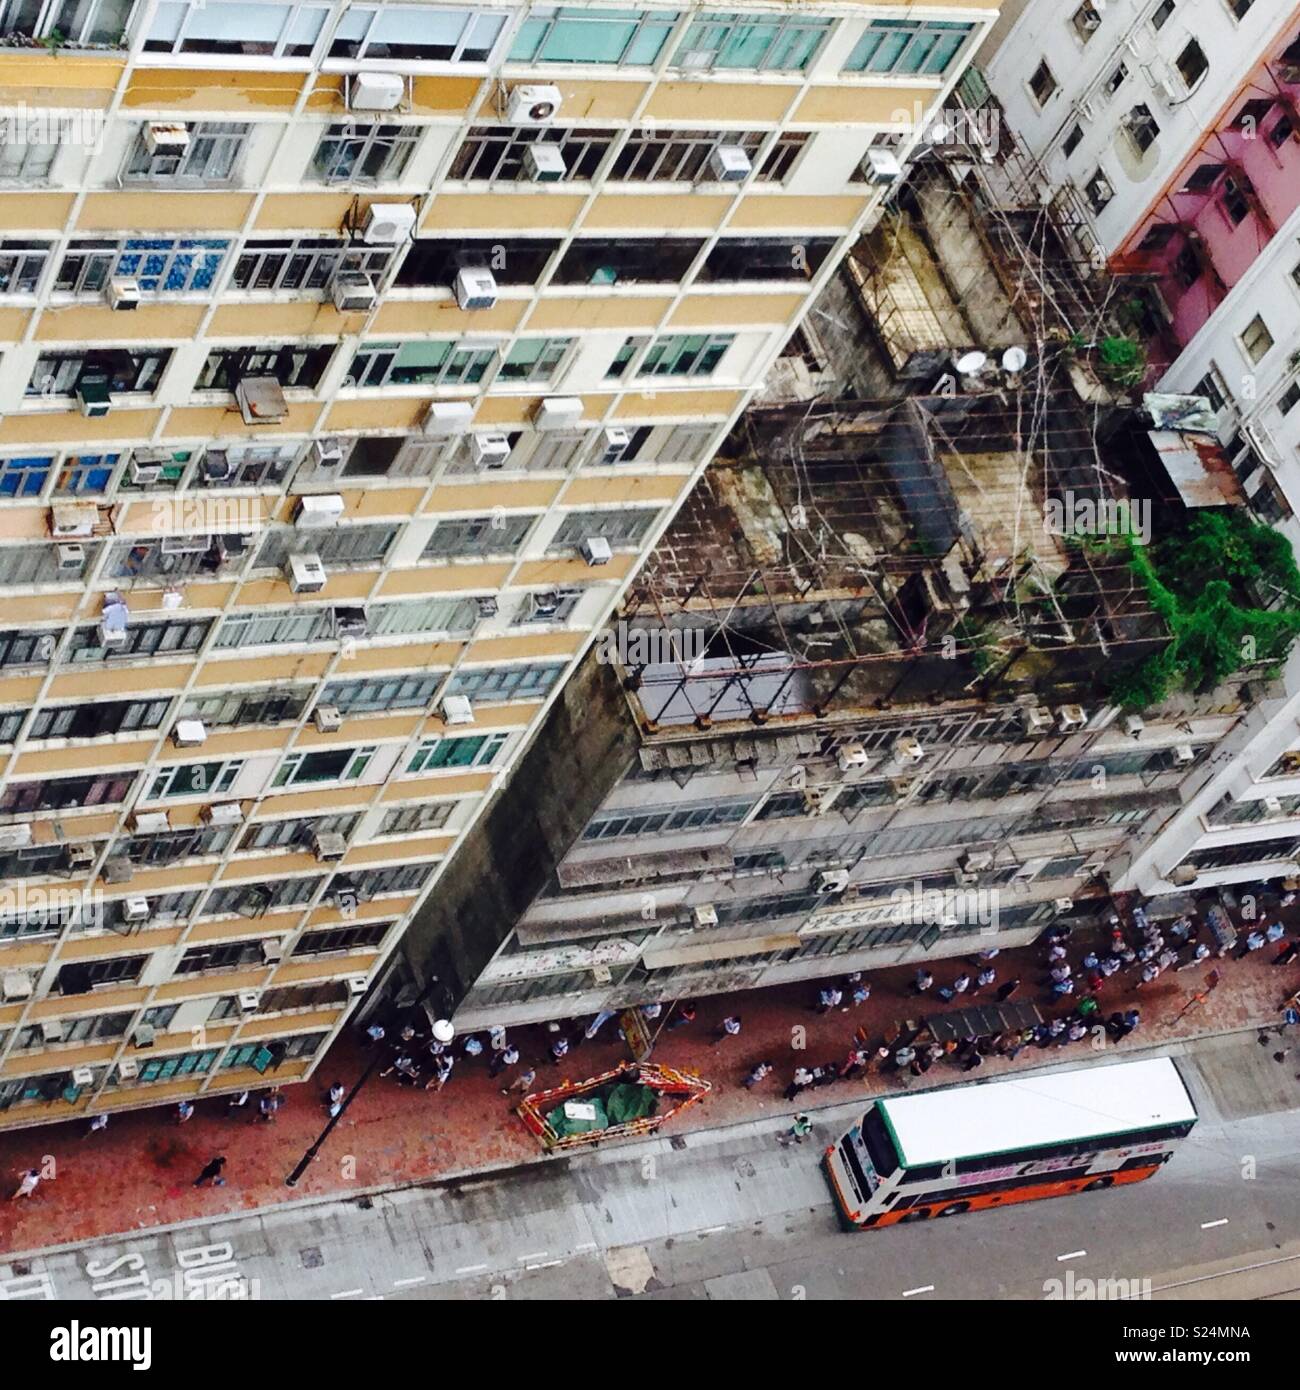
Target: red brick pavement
pixel 139 1172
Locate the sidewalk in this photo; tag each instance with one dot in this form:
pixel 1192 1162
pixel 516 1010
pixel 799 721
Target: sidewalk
pixel 139 1172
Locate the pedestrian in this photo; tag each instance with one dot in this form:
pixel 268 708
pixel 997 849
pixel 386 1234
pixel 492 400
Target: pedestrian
pixel 880 1059
pixel 597 1023
pixel 988 955
pixel 402 1062
pixel 1077 1030
pixel 507 1057
pixel 1056 953
pixel 407 1034
pixel 975 1059
pixel 803 1078
pixel 1181 929
pixel 1062 989
pixel 685 1015
pixel 854 1064
pixel 1087 1007
pixel 266 1108
pixel 729 1028
pixel 985 978
pixel 473 1046
pixel 1007 990
pixel 1109 965
pixel 922 982
pixel 1061 971
pixel 212 1173
pixel 237 1101
pixel 824 1075
pixel 829 998
pixel 559 1049
pixel 1287 954
pixel 1254 941
pixel 100 1122
pixel 1150 973
pixel 903 1057
pixel 337 1092
pixel 762 1070
pixel 497 1038
pixel 961 984
pixel 1275 931
pixel 375 1032
pixel 441 1072
pixel 27 1184
pixel 522 1082
pixel 651 1011
pixel 798 1132
pixel 184 1111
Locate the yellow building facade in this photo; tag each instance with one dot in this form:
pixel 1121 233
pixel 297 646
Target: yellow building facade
pixel 353 355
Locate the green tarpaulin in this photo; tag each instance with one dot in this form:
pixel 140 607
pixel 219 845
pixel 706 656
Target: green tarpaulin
pixel 619 1104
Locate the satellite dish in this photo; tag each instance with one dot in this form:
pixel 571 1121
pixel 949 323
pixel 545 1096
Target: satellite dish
pixel 1014 360
pixel 443 1032
pixel 971 363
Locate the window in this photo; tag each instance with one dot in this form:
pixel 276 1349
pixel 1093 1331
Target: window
pixel 1187 267
pixel 304 263
pixel 175 264
pixel 424 33
pixel 407 820
pixel 85 474
pixel 291 364
pixel 1162 13
pixel 1158 237
pixel 267 706
pixel 489 684
pixel 474 750
pixel 210 157
pixel 399 878
pixel 1192 63
pixel 74 21
pixel 350 153
pixel 1086 20
pixel 909 46
pixel 625 529
pixel 666 819
pixel 423 615
pixel 196 779
pixel 83 976
pixel 513 261
pixel 497 152
pixel 97 718
pixel 267 30
pixel 19 648
pixel 253 900
pixel 535 359
pixel 28 161
pixel 1289 399
pixel 1099 191
pixel 1283 130
pixel 315 943
pixel 276 627
pixel 122 369
pixel 227 955
pixel 179 1064
pixel 1257 341
pixel 381 693
pixel 342 545
pixel 1240 8
pixel 751 42
pixel 246 465
pixel 1042 84
pixel 172 846
pixel 1142 128
pixel 24 477
pixel 420 364
pixel 328 765
pixel 766 258
pixel 550 606
pixel 1213 387
pixel 21 265
pixel 685 354
pixel 627 261
pixel 142 639
pixel 560 34
pixel 296 833
pixel 1073 140
pixel 1235 198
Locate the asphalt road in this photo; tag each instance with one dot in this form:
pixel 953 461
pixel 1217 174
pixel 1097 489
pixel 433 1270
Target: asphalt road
pixel 733 1215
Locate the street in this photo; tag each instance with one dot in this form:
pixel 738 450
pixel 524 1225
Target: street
pixel 731 1214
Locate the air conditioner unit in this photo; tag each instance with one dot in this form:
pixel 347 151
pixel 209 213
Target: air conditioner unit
pixel 186 545
pixel 17 984
pixel 881 166
pixel 595 551
pixel 903 787
pixel 531 104
pixel 1062 904
pixel 457 709
pixel 327 453
pixel 305 573
pixel 1102 190
pixel 1134 725
pixel 144 1035
pixel 1071 717
pixel 145 474
pixel 81 856
pixel 908 750
pixel 1184 874
pixel 123 293
pixel 117 869
pixel 353 293
pixel 51 1031
pixel 850 756
pixel 976 861
pixel 814 801
pixel 832 881
pixel 15 836
pixel 314 513
pixel 216 466
pixel 249 1001
pixel 150 822
pixel 70 558
pixel 543 163
pixel 329 847
pixel 1038 720
pixel 1272 806
pixel 70 519
pixel 489 450
pixel 327 719
pixel 128 1069
pixel 487 605
pixel 356 986
pixel 166 137
pixel 475 288
pixel 224 813
pixel 446 418
pixel 729 164
pixel 83 1076
pixel 189 733
pixel 616 443
pixel 135 909
pixel 93 395
pixel 111 638
pixel 375 91
pixel 705 915
pixel 558 413
pixel 350 622
pixel 544 605
pixel 261 401
pixel 388 223
pixel 272 950
pixel 1184 754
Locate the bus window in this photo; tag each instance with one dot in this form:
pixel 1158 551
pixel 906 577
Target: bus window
pixel 879 1144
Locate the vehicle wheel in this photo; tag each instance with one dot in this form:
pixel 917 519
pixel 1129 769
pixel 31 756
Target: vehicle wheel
pixel 954 1208
pixel 920 1214
pixel 1098 1183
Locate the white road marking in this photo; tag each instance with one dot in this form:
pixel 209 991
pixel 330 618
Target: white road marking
pixel 711 1230
pixel 925 1288
pixel 1073 1255
pixel 470 1269
pixel 347 1293
pixel 404 1283
pixel 1206 1225
pixel 536 1255
pixel 586 1245
pixel 547 1264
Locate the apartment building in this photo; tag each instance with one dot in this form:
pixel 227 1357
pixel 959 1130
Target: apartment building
pixel 354 356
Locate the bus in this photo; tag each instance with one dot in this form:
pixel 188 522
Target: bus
pixel 966 1148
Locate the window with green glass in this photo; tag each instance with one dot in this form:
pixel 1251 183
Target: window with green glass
pixel 476 751
pixel 752 43
pixel 534 359
pixel 926 46
pixel 183 1064
pixel 421 363
pixel 685 354
pixel 562 34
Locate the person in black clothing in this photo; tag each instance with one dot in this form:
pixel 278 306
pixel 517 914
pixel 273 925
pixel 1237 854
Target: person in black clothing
pixel 212 1173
